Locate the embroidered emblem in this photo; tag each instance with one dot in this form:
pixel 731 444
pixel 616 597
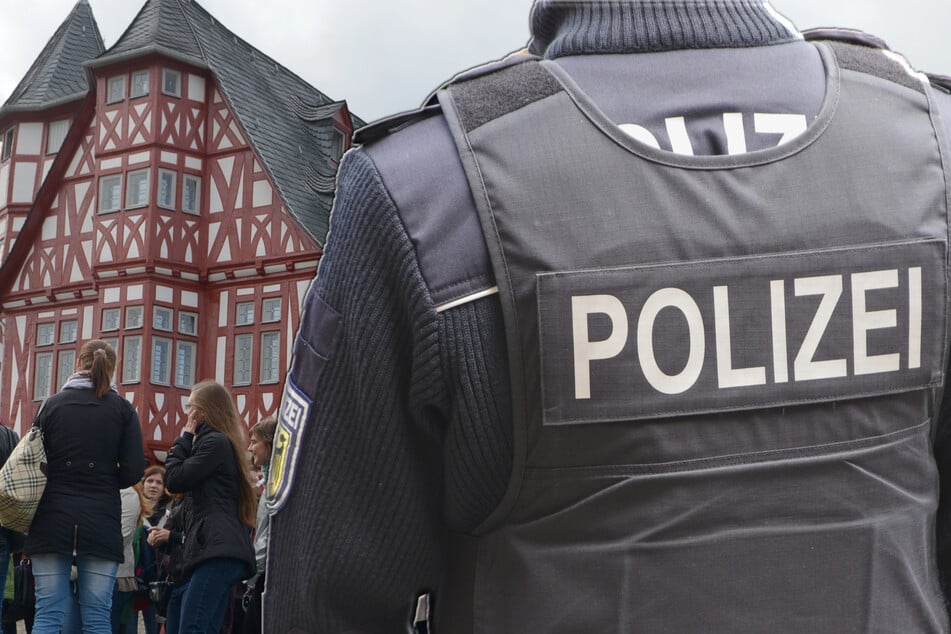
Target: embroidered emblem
pixel 295 407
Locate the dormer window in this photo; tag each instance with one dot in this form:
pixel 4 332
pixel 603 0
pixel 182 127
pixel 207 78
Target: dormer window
pixel 115 89
pixel 337 145
pixel 171 82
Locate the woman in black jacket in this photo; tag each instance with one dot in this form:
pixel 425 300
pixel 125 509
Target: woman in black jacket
pixel 93 448
pixel 208 463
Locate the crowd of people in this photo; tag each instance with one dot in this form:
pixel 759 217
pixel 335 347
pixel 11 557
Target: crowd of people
pixel 179 547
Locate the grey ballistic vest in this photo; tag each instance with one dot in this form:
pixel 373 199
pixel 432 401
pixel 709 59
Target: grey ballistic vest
pixel 725 369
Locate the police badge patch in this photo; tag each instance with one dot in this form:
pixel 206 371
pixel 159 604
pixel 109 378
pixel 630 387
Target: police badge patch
pixel 295 407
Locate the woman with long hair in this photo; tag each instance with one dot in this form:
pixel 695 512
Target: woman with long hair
pixel 93 448
pixel 208 464
pixel 260 448
pixel 153 488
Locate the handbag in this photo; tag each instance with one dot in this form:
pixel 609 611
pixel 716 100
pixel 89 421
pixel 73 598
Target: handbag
pixel 24 594
pixel 22 482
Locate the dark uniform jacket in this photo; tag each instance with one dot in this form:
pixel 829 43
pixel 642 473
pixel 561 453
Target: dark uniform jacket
pixel 93 449
pixel 202 466
pixel 398 410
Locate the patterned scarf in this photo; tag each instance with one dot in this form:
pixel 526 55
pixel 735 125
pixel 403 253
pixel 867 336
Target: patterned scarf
pixel 82 381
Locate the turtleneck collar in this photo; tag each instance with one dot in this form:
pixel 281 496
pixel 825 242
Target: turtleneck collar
pixel 584 27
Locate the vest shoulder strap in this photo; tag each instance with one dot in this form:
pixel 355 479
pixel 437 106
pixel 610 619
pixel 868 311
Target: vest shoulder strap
pixel 865 53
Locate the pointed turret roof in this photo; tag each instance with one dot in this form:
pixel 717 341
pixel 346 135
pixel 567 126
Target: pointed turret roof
pixel 57 76
pixel 274 106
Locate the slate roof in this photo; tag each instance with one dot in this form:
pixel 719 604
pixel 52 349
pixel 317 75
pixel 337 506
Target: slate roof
pixel 57 76
pixel 275 107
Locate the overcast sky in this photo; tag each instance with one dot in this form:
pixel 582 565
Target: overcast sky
pixel 384 56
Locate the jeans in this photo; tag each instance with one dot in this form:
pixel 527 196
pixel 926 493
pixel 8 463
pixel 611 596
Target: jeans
pixel 198 606
pixel 53 594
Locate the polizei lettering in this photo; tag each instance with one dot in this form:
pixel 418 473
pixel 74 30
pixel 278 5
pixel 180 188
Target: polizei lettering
pixel 805 367
pixel 731 334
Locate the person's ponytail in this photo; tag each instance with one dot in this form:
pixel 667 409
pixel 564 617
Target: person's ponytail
pixel 99 359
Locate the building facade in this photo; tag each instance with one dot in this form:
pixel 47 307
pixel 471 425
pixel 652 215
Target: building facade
pixel 169 195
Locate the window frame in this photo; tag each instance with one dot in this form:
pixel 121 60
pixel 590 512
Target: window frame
pixel 184 314
pixel 110 82
pixel 274 338
pixel 170 204
pixel 105 326
pixel 246 319
pixel 181 380
pixel 136 319
pixel 46 340
pixel 265 318
pixel 61 128
pixel 8 136
pixel 170 312
pixel 64 372
pixel 132 359
pixel 167 72
pixel 236 381
pixel 164 376
pixel 70 337
pixel 196 181
pixel 133 180
pixel 103 180
pixel 132 91
pixel 38 393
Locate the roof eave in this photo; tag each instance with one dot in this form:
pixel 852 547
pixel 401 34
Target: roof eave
pixel 49 105
pixel 154 49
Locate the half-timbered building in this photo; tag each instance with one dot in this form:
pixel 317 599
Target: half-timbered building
pixel 170 195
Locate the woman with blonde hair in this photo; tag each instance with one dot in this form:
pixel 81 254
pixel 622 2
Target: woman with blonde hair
pixel 207 464
pixel 93 448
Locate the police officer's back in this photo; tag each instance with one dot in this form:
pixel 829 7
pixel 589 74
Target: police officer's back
pixel 650 338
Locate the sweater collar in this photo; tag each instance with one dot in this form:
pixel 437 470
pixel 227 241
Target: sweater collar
pixel 584 27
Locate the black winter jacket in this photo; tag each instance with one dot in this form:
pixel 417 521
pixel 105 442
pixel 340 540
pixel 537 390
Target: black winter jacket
pixel 203 467
pixel 93 449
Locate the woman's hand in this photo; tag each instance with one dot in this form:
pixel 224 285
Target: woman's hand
pixel 158 536
pixel 192 421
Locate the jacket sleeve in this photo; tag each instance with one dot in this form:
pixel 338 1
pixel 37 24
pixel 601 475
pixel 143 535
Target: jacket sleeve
pixel 131 463
pixel 191 460
pixel 363 517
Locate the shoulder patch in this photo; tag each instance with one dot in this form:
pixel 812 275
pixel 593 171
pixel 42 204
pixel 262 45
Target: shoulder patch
pixel 295 408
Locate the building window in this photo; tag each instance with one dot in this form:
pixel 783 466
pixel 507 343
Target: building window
pixel 137 189
pixel 133 317
pixel 161 357
pixel 55 135
pixel 191 194
pixel 43 376
pixel 114 342
pixel 162 318
pixel 68 331
pixel 67 365
pixel 131 359
pixel 115 89
pixel 242 359
pixel 110 319
pixel 270 357
pixel 185 364
pixel 110 193
pixel 166 189
pixel 187 323
pixel 140 84
pixel 244 314
pixel 271 310
pixel 45 334
pixel 7 144
pixel 171 82
pixel 337 145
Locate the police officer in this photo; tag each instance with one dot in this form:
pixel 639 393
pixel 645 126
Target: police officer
pixel 642 330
